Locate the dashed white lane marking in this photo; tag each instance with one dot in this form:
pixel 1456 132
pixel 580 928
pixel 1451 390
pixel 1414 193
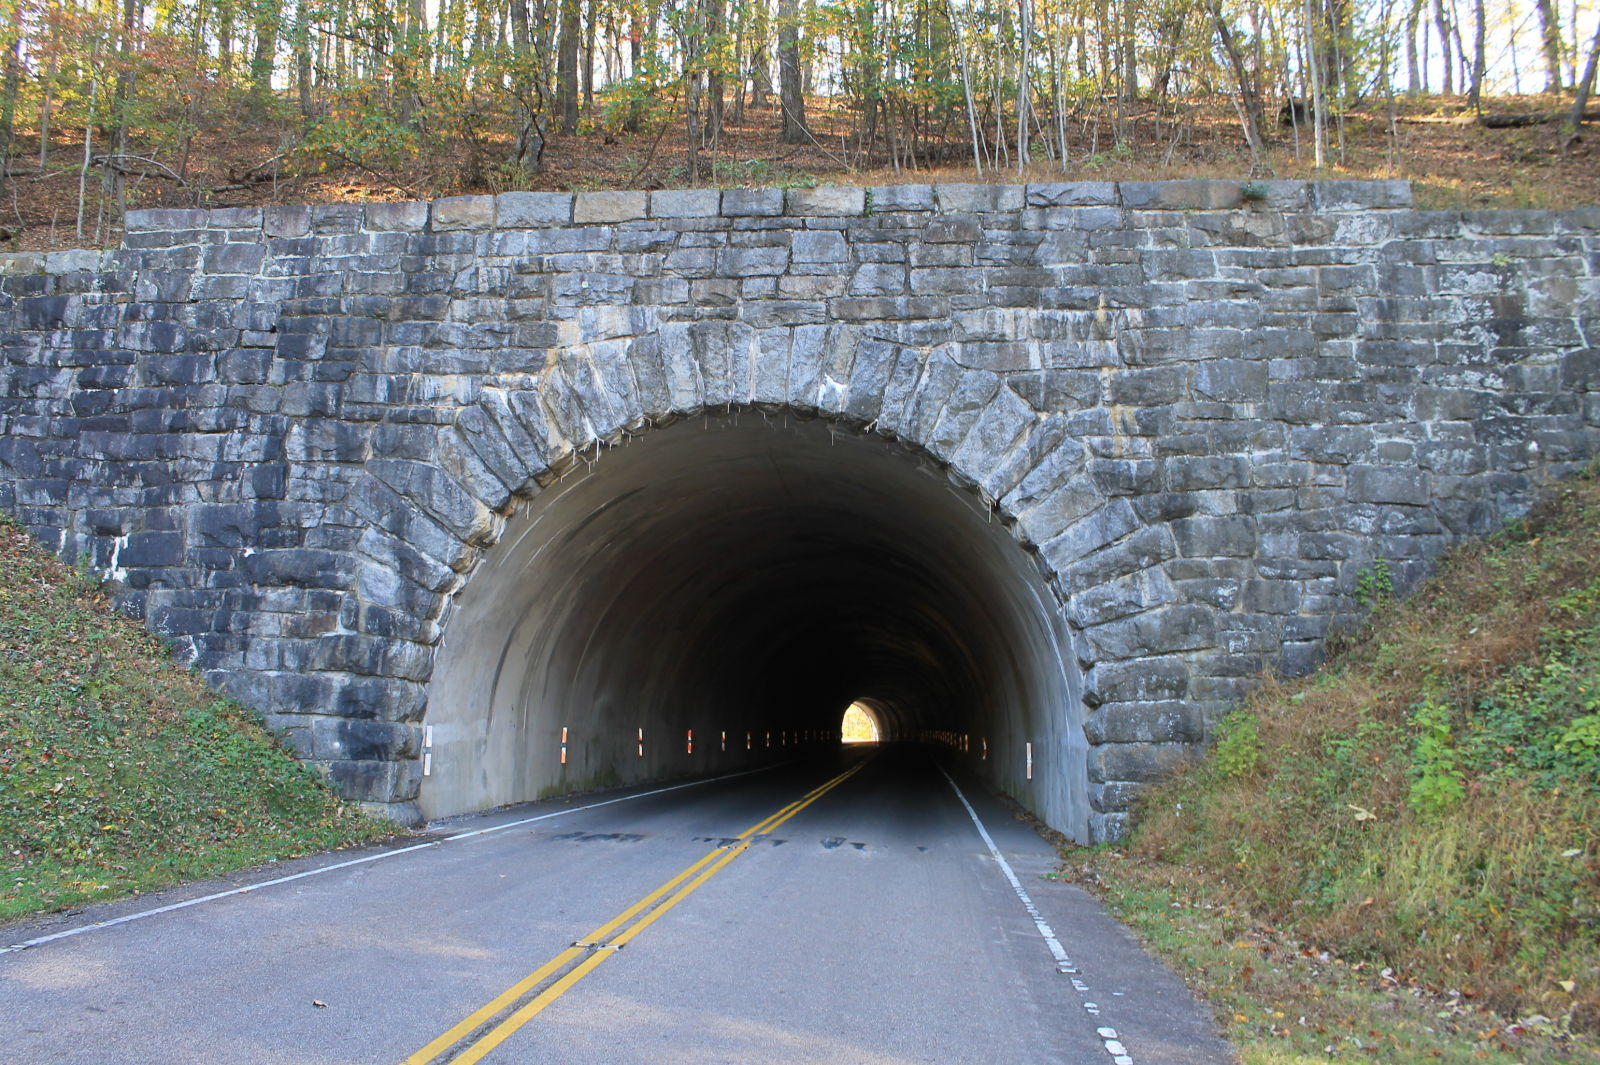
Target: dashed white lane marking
pixel 68 933
pixel 1108 1036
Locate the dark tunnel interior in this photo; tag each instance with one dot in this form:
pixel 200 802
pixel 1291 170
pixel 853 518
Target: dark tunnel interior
pixel 739 575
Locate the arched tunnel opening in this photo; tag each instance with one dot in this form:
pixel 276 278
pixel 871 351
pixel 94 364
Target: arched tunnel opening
pixel 662 611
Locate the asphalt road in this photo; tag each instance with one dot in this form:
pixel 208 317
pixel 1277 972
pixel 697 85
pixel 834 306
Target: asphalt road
pixel 841 910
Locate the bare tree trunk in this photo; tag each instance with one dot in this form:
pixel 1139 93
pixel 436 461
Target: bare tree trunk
pixel 966 89
pixel 715 91
pixel 302 60
pixel 567 66
pixel 1414 84
pixel 1550 36
pixel 263 58
pixel 521 42
pixel 45 105
pixel 588 61
pixel 790 93
pixel 1025 28
pixel 1461 49
pixel 1130 55
pixel 1442 22
pixel 88 131
pixel 1319 99
pixel 112 185
pixel 1249 90
pixel 1480 17
pixel 527 153
pixel 1584 86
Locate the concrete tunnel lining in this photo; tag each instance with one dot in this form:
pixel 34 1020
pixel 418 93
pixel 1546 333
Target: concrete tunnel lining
pixel 742 573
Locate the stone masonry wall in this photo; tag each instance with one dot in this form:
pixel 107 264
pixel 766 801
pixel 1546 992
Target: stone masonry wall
pixel 288 434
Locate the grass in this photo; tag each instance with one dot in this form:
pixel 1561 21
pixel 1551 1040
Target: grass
pixel 120 772
pixel 1403 849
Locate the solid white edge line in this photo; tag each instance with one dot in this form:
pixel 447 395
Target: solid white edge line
pixel 1057 951
pixel 1113 1046
pixel 68 933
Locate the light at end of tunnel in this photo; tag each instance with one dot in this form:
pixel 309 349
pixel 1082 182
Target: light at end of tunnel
pixel 858 725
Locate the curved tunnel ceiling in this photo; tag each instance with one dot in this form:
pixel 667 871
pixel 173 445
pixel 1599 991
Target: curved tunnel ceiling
pixel 739 574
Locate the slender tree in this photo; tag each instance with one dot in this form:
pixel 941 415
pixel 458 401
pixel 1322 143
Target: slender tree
pixel 1550 39
pixel 567 65
pixel 790 89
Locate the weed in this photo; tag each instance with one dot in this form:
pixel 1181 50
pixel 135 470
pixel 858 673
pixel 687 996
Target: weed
pixel 1374 584
pixel 1238 749
pixel 1436 782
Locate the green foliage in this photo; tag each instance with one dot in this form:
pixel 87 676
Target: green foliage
pixel 1436 780
pixel 1374 584
pixel 1581 742
pixel 736 172
pixel 1238 750
pixel 354 132
pixel 1121 152
pixel 639 104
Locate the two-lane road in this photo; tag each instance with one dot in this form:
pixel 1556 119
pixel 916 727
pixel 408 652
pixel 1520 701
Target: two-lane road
pixel 843 910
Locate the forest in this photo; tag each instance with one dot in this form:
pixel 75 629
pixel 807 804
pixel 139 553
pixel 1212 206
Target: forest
pixel 112 104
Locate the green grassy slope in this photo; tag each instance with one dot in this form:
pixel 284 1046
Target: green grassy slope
pixel 120 771
pixel 1420 820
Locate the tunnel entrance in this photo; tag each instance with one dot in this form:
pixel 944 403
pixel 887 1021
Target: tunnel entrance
pixel 707 595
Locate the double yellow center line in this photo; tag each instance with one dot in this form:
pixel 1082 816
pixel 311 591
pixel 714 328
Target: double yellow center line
pixel 478 1033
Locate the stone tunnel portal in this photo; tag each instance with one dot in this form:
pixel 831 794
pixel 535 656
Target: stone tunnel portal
pixel 740 575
